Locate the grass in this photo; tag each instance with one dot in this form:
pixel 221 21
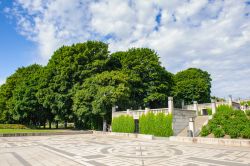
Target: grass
pixel 3 131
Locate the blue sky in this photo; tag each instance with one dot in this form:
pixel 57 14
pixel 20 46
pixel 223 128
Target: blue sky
pixel 16 50
pixel 213 35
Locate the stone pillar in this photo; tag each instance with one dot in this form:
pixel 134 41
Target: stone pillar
pixel 213 106
pixel 230 100
pixel 128 111
pixel 196 108
pixel 104 127
pixel 170 105
pixel 191 127
pixel 113 111
pixel 146 110
pixel 182 104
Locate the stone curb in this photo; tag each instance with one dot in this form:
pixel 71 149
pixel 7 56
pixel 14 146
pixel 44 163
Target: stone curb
pixel 44 134
pixel 130 135
pixel 212 141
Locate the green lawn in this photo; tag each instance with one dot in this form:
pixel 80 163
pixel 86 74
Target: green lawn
pixel 28 131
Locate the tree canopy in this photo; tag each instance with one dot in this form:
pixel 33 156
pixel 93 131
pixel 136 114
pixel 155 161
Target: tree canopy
pixel 192 85
pixel 82 82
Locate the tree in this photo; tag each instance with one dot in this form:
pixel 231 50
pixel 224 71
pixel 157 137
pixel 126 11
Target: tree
pixel 150 83
pixel 97 95
pixel 192 85
pixel 69 67
pixel 24 104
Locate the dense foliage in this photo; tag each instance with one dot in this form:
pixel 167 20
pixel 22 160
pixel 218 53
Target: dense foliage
pixel 156 124
pixel 192 85
pixel 123 124
pixel 227 121
pixel 82 82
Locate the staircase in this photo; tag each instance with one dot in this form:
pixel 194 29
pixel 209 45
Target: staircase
pixel 199 122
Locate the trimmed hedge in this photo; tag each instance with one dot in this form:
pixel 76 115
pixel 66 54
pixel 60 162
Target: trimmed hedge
pixel 123 124
pixel 227 121
pixel 12 126
pixel 156 124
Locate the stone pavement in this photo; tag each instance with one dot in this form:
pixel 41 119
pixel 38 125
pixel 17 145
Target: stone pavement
pixel 93 150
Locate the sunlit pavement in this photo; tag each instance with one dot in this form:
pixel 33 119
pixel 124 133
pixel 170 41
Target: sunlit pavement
pixel 92 150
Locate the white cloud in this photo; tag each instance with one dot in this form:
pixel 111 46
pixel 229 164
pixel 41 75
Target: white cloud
pixel 212 35
pixel 2 81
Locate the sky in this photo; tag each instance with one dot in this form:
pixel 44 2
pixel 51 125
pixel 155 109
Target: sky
pixel 213 35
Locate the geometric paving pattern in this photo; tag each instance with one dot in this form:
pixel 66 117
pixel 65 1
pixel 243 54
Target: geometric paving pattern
pixel 93 150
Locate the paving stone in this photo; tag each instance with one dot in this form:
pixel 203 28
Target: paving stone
pixel 93 150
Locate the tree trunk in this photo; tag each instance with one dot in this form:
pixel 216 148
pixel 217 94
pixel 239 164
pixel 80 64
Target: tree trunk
pixel 56 124
pixel 44 125
pixel 65 124
pixel 50 124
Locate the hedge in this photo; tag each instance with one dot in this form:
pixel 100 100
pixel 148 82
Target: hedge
pixel 124 124
pixel 12 126
pixel 227 121
pixel 156 124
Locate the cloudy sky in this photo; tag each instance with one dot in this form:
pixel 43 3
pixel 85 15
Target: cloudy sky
pixel 213 35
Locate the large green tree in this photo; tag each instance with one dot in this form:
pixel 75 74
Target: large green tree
pixel 192 85
pixel 69 67
pixel 97 95
pixel 150 83
pixel 24 103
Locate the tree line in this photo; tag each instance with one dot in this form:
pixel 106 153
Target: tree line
pixel 81 83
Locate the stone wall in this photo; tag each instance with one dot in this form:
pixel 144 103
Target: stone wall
pixel 181 119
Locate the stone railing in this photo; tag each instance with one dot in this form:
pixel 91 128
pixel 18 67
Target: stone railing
pixel 137 113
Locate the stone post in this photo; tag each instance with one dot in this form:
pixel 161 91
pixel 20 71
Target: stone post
pixel 230 100
pixel 182 104
pixel 128 111
pixel 104 127
pixel 113 111
pixel 213 106
pixel 196 108
pixel 146 110
pixel 191 127
pixel 170 105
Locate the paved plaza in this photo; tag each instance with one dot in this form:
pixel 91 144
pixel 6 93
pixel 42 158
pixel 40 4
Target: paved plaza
pixel 92 150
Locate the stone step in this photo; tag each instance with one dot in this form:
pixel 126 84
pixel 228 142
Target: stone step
pixel 198 122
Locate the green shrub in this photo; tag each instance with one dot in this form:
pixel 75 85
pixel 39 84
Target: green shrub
pixel 246 133
pixel 124 124
pixel 218 132
pixel 156 124
pixel 209 111
pixel 146 123
pixel 204 131
pixel 248 113
pixel 163 125
pixel 228 121
pixel 12 126
pixel 234 132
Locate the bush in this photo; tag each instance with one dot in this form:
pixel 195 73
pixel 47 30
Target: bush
pixel 248 113
pixel 156 124
pixel 228 121
pixel 12 126
pixel 204 131
pixel 218 132
pixel 209 111
pixel 246 133
pixel 146 123
pixel 124 124
pixel 163 125
pixel 234 132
